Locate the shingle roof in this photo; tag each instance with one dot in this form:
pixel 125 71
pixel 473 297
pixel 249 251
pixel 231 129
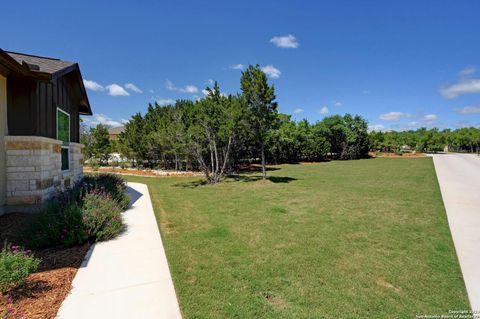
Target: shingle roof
pixel 116 130
pixel 41 64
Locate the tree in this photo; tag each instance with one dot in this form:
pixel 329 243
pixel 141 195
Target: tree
pixel 347 135
pixel 85 140
pixel 216 120
pixel 100 143
pixel 132 141
pixel 259 98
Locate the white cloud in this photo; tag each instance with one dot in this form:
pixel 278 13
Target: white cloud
pixel 210 82
pixel 469 70
pixel 324 110
pixel 338 104
pixel 471 109
pixel 461 124
pixel 271 71
pixel 463 87
pixel 116 90
pixel 287 41
pixel 406 127
pixel 297 111
pixel 430 118
pixel 96 119
pixel 186 89
pixel 366 92
pixel 393 116
pixel 376 128
pixel 162 102
pixel 238 66
pixel 132 87
pixel 191 89
pixel 92 85
pixel 205 93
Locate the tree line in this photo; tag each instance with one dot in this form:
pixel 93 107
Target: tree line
pixel 465 139
pixel 219 133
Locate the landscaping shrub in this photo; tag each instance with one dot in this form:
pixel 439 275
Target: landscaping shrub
pixel 90 210
pixel 58 224
pixel 112 184
pixel 15 266
pixel 101 216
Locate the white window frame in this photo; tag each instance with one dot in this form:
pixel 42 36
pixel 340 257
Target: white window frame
pixel 67 147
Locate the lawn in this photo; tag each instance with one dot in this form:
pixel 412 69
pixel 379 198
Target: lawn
pixel 342 239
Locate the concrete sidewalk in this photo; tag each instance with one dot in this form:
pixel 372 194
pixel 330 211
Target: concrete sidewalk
pixel 127 277
pixel 459 178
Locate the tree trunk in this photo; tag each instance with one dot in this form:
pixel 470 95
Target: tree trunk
pixel 264 172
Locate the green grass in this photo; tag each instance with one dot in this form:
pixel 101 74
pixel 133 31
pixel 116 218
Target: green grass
pixel 344 239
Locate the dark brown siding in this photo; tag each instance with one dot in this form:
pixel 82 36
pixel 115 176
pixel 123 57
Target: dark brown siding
pixel 21 104
pixel 32 106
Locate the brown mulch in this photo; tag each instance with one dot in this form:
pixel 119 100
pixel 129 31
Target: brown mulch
pixel 406 154
pixel 44 291
pixel 139 172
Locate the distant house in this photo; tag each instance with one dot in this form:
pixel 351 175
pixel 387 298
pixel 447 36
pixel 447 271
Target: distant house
pixel 113 132
pixel 41 100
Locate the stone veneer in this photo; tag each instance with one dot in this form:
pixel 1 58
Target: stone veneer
pixel 33 165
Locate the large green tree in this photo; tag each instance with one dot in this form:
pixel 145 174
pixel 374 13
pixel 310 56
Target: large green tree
pixel 99 145
pixel 259 98
pixel 216 121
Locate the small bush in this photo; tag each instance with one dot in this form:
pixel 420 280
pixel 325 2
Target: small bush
pixel 111 184
pixel 90 210
pixel 58 224
pixel 15 266
pixel 101 216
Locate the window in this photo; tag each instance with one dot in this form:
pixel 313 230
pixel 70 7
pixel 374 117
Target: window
pixel 63 134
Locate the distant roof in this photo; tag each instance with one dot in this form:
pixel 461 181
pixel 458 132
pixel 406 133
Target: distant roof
pixel 39 63
pixel 116 130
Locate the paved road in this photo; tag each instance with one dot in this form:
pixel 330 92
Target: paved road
pixel 459 178
pixel 127 277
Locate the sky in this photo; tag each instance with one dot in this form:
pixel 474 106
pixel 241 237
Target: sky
pixel 400 64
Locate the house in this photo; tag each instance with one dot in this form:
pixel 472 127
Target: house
pixel 113 132
pixel 41 100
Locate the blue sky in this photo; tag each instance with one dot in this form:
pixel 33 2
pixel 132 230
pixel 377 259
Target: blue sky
pixel 400 64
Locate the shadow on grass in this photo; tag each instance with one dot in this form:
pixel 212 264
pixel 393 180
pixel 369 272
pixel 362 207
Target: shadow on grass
pixel 238 178
pixel 273 179
pixel 255 168
pixel 193 184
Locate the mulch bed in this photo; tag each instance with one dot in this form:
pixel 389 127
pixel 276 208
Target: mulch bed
pixel 139 172
pixel 44 291
pixel 406 154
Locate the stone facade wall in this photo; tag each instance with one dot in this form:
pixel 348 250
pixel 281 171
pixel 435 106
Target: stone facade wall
pixel 34 173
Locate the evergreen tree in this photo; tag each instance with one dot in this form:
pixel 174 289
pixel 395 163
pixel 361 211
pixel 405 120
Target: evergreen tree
pixel 99 146
pixel 259 98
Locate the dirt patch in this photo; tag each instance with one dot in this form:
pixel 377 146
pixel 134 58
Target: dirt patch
pixel 381 154
pixel 383 283
pixel 165 224
pixel 140 172
pixel 44 291
pixel 275 301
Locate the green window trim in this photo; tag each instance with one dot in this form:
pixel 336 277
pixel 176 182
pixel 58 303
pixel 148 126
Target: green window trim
pixel 63 126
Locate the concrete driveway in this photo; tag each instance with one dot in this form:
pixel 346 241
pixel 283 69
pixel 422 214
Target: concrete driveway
pixel 459 178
